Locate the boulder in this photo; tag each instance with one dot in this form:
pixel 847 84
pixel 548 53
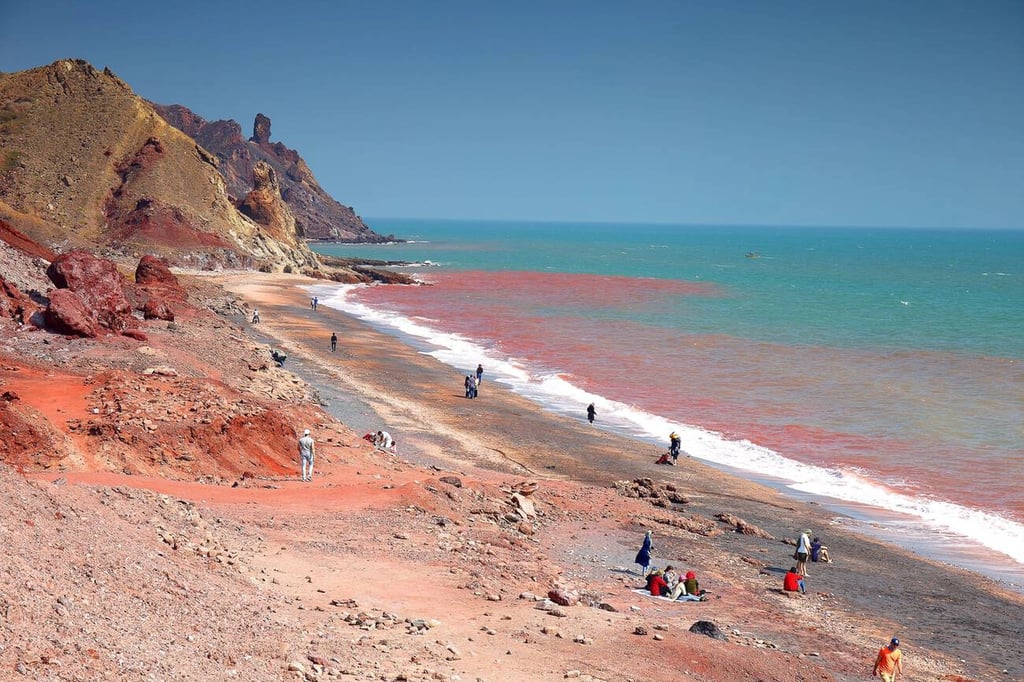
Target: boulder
pixel 155 308
pixel 68 314
pixel 708 629
pixel 563 597
pixel 153 275
pixel 98 285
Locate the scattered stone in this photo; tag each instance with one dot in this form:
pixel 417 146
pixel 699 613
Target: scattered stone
pixel 563 597
pixel 453 481
pixel 708 629
pixel 639 630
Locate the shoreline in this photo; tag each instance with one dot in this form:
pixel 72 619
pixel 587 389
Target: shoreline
pixel 420 401
pixel 898 527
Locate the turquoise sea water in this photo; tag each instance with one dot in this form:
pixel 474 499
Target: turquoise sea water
pixel 879 368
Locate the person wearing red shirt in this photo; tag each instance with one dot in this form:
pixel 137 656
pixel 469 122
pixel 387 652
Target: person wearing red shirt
pixel 657 585
pixel 793 581
pixel 889 662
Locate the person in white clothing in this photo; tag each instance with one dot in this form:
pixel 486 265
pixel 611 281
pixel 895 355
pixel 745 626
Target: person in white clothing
pixel 803 551
pixel 307 451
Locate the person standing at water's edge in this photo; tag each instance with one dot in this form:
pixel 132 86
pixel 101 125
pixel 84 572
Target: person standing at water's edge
pixel 307 451
pixel 889 662
pixel 334 342
pixel 591 413
pixel 479 374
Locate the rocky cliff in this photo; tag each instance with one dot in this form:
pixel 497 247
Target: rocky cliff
pixel 86 163
pixel 317 214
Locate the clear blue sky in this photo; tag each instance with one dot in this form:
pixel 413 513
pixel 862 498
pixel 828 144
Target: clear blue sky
pixel 857 113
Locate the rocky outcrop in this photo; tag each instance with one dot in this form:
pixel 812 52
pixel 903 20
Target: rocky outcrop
pixel 264 204
pixel 157 289
pixel 99 289
pixel 90 165
pixel 317 214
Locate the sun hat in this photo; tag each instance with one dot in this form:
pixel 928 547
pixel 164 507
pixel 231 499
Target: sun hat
pixel 306 432
pixel 808 531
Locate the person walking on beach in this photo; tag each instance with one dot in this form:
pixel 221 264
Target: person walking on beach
pixel 307 451
pixel 643 557
pixel 591 413
pixel 334 342
pixel 479 374
pixel 255 316
pixel 312 303
pixel 889 662
pixel 803 551
pixel 675 444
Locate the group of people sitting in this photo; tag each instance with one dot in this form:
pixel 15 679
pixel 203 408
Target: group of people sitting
pixel 668 584
pixel 382 440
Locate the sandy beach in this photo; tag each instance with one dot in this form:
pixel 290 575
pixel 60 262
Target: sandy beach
pixel 156 526
pixel 951 622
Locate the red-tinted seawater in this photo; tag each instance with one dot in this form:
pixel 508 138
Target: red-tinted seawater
pixel 875 429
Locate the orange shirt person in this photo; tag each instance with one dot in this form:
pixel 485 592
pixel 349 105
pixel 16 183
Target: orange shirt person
pixel 889 662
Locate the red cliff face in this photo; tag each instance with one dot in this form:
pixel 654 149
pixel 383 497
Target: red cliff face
pixel 317 214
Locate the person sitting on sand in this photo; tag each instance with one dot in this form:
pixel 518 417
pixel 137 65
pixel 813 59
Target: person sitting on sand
pixel 793 582
pixel 819 552
pixel 671 577
pixel 688 589
pixel 656 584
pixel 643 557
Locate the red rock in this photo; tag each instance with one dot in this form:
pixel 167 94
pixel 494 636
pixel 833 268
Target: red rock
pixel 153 273
pixel 563 597
pixel 155 308
pixel 136 334
pixel 68 314
pixel 97 284
pixel 14 303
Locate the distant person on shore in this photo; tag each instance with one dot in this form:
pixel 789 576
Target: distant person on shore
pixel 334 342
pixel 643 557
pixel 675 444
pixel 474 386
pixel 819 552
pixel 889 662
pixel 479 374
pixel 313 303
pixel 255 316
pixel 793 582
pixel 591 413
pixel 803 552
pixel 469 386
pixel 307 451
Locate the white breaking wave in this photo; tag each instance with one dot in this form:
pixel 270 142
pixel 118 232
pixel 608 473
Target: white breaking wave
pixel 554 391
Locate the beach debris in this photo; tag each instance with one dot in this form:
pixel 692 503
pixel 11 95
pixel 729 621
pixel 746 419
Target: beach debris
pixel 741 526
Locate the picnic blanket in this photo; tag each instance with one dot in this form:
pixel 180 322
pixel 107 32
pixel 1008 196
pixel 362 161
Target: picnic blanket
pixel 647 593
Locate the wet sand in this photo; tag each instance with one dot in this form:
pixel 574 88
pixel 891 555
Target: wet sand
pixel 374 381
